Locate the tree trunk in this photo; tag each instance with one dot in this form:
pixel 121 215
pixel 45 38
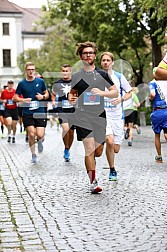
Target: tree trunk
pixel 156 48
pixel 156 52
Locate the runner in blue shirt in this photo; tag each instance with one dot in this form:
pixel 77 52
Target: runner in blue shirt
pixel 34 92
pixel 158 96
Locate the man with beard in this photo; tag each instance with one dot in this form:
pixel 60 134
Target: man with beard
pixel 88 91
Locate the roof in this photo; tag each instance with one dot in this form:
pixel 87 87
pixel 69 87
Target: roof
pixel 30 16
pixel 7 7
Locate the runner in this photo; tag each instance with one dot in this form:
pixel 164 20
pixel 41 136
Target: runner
pixel 130 106
pixel 34 119
pixel 88 91
pixel 2 114
pixel 158 94
pixel 11 112
pixel 64 109
pixel 114 112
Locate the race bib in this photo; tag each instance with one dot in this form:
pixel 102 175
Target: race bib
pixel 91 99
pixel 34 105
pixel 10 102
pixel 2 107
pixel 66 104
pixel 108 104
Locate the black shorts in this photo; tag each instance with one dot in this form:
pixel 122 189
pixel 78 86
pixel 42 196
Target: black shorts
pixel 129 116
pixel 20 111
pixel 13 113
pixel 2 113
pixel 65 118
pixel 91 126
pixel 136 117
pixel 29 120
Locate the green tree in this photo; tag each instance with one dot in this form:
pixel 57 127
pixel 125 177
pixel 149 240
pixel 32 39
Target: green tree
pixel 58 48
pixel 135 31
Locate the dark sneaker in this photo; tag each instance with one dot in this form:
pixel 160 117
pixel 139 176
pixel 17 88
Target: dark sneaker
pixel 138 131
pixel 113 176
pixel 13 139
pixel 66 155
pixel 26 139
pixel 158 159
pixel 129 143
pixel 9 139
pixel 127 133
pixel 40 146
pixel 34 158
pixel 95 188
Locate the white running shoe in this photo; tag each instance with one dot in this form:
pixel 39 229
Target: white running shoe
pixel 94 187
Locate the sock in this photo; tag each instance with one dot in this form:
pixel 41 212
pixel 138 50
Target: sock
pixel 91 175
pixel 112 169
pixel 2 128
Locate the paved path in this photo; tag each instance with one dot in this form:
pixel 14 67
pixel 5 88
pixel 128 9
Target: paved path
pixel 47 206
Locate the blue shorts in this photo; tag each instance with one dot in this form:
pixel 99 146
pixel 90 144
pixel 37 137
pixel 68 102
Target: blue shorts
pixel 159 120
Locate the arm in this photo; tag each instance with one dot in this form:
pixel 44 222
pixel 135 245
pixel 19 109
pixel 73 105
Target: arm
pixel 43 96
pixel 2 99
pixel 160 74
pixel 16 98
pixel 152 92
pixel 136 100
pixel 127 94
pixel 53 99
pixel 111 93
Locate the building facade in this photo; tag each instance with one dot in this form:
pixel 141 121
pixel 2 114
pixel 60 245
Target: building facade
pixel 17 35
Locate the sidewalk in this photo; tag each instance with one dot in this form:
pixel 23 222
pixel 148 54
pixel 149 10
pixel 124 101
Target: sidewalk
pixel 48 207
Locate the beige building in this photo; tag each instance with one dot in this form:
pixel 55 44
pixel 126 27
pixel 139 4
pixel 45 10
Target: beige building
pixel 17 34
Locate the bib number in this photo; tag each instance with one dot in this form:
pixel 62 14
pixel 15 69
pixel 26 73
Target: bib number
pixel 34 105
pixel 91 99
pixel 108 104
pixel 2 107
pixel 66 104
pixel 10 102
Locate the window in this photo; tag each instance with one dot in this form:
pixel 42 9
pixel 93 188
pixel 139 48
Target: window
pixel 5 28
pixel 6 58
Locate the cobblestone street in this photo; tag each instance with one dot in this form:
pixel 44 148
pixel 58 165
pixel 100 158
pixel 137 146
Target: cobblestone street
pixel 48 207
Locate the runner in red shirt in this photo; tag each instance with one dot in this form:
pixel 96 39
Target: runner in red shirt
pixel 11 112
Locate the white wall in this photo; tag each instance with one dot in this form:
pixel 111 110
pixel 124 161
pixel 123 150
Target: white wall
pixel 17 43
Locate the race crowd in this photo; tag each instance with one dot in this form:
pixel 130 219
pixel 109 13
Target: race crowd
pixel 98 104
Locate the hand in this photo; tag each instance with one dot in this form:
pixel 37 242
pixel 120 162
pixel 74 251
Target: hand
pixel 97 91
pixel 116 101
pixel 54 103
pixel 27 100
pixel 72 98
pixel 39 96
